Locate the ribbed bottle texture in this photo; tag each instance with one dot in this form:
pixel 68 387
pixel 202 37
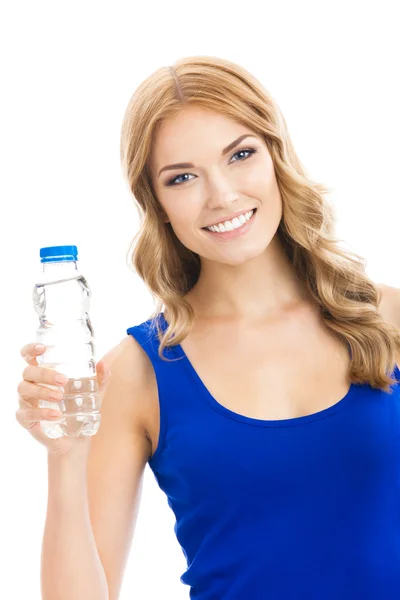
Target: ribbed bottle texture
pixel 62 299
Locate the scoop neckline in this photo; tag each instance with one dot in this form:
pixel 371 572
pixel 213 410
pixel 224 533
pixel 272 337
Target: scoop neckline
pixel 227 412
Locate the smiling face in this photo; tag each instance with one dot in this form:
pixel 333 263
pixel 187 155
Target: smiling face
pixel 216 180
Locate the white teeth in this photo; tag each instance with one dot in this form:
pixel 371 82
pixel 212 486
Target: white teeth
pixel 230 225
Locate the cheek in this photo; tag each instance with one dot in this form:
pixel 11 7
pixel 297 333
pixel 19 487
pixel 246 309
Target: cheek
pixel 184 208
pixel 258 176
pixel 184 217
pixel 183 220
pixel 264 184
pixel 187 233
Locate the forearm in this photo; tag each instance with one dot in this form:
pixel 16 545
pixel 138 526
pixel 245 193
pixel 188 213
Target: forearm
pixel 70 565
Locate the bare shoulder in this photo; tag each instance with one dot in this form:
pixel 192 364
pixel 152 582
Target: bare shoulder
pixel 129 358
pixel 389 306
pixel 133 379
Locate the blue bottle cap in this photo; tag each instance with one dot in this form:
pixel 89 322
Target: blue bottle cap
pixel 58 254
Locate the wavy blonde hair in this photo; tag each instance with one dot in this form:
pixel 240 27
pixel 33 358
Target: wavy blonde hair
pixel 334 277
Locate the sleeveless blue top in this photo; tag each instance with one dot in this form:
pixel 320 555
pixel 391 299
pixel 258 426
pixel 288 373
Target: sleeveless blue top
pixel 291 509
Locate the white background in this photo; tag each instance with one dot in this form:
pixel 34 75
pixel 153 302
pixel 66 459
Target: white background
pixel 68 70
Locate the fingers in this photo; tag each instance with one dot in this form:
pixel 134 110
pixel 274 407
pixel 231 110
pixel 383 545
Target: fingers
pixel 35 377
pixel 28 417
pixel 44 375
pixel 30 351
pixel 28 390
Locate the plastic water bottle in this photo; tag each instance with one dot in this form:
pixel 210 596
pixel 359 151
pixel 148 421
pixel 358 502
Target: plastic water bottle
pixel 61 299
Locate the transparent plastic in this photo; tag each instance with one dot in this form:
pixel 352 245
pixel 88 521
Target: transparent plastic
pixel 61 299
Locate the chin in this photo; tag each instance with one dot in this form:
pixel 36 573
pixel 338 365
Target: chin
pixel 235 256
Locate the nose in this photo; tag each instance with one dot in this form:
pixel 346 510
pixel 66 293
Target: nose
pixel 221 192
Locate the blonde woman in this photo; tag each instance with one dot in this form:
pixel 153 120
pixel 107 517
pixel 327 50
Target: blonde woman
pixel 263 391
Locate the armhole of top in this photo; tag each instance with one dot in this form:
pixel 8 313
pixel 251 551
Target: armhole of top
pixel 142 338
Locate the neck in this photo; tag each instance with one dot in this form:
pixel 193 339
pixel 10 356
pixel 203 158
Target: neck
pixel 264 286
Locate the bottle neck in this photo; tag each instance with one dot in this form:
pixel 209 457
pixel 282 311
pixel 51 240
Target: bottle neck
pixel 63 268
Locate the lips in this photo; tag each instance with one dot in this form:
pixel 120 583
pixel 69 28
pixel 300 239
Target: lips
pixel 223 219
pixel 232 234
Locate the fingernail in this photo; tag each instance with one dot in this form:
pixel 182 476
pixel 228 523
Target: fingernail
pixel 39 347
pixel 55 413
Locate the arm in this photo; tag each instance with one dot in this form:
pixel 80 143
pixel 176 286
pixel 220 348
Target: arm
pixel 93 504
pixel 118 457
pixel 70 564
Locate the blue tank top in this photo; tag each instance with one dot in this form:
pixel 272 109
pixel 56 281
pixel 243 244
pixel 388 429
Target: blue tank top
pixel 291 509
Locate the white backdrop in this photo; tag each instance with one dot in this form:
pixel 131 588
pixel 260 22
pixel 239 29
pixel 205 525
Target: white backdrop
pixel 68 71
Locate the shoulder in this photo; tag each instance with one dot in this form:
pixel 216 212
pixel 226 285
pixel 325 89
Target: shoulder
pixel 133 380
pixel 389 306
pixel 128 359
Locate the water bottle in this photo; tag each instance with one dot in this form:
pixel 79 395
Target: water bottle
pixel 61 298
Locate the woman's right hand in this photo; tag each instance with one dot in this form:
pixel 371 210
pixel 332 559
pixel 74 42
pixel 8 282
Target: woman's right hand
pixel 31 389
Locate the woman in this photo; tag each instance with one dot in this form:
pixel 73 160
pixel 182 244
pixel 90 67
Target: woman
pixel 264 396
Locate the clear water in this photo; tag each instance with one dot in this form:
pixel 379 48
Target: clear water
pixel 65 329
pixel 80 407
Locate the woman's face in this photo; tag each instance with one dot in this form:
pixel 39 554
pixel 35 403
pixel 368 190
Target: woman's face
pixel 214 184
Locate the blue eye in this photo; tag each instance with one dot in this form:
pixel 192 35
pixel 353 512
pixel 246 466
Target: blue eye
pixel 249 150
pixel 175 182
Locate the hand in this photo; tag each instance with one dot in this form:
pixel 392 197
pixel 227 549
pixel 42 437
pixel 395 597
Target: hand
pixel 32 389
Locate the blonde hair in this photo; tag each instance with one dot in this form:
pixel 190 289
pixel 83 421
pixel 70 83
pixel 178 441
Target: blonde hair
pixel 334 277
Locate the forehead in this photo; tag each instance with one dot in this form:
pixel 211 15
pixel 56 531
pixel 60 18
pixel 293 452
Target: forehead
pixel 185 135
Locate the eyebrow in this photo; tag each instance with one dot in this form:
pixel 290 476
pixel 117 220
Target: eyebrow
pixel 191 165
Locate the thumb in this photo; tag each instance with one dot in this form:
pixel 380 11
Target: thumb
pixel 103 373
